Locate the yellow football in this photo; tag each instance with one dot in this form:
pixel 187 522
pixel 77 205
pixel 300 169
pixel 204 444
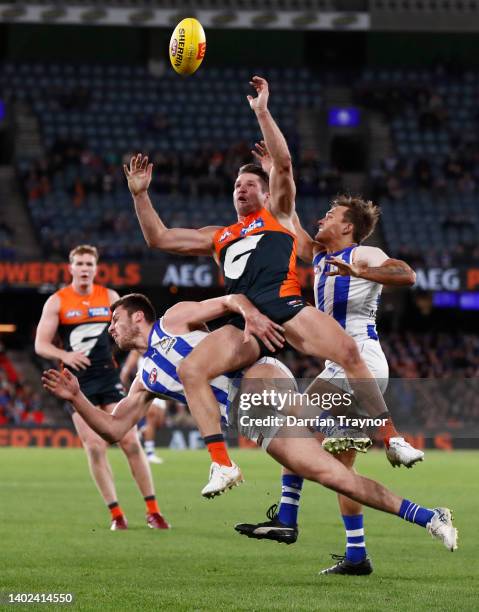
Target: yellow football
pixel 187 46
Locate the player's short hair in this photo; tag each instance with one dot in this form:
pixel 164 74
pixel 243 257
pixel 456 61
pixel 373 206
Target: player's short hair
pixel 258 170
pixel 84 249
pixel 134 302
pixel 363 214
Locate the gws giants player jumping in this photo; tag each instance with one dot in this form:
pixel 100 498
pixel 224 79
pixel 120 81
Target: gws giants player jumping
pixel 258 258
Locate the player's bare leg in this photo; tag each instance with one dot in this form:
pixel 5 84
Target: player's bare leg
pixel 347 506
pixel 140 470
pixel 224 350
pixel 100 469
pixel 304 456
pixel 314 333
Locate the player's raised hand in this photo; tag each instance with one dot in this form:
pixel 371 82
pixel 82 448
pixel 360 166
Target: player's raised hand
pixel 63 384
pixel 138 174
pixel 260 103
pixel 76 360
pixel 342 268
pixel 261 154
pixel 270 333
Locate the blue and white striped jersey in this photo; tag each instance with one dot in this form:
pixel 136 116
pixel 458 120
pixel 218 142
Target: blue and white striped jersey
pixel 353 302
pixel 164 354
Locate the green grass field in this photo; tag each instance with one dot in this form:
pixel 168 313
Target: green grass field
pixel 54 537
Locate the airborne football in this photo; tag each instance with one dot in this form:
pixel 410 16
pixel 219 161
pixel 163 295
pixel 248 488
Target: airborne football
pixel 239 351
pixel 187 46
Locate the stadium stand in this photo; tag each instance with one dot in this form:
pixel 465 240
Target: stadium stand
pixel 20 404
pixel 93 117
pixel 7 246
pixel 429 190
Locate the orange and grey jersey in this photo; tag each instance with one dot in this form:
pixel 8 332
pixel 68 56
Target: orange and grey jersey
pixel 258 258
pixel 83 326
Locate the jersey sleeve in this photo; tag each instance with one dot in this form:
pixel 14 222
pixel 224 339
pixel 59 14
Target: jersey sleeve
pixel 373 256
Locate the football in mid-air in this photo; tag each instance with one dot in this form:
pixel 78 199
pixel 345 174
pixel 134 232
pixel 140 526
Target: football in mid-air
pixel 187 46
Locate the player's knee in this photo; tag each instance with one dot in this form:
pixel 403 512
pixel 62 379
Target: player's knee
pixel 332 480
pixel 96 450
pixel 189 371
pixel 130 447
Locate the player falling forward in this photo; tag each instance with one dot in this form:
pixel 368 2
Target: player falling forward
pixel 81 314
pixel 165 342
pixel 348 283
pixel 258 259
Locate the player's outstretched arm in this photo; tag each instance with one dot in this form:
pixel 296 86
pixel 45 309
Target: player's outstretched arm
pixel 374 265
pixel 282 187
pixel 185 316
pixel 306 247
pixel 156 234
pixel 111 427
pixel 46 331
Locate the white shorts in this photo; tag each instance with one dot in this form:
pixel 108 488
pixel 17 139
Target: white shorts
pixel 159 403
pixel 261 435
pixel 375 359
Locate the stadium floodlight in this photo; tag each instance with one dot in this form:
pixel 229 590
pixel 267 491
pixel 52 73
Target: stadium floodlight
pixel 93 14
pixel 53 13
pixel 305 19
pixel 225 18
pixel 262 19
pixel 141 16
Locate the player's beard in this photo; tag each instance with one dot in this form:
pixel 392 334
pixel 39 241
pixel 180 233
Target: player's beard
pixel 128 341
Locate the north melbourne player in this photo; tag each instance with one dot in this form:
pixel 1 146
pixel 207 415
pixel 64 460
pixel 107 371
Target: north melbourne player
pixel 348 282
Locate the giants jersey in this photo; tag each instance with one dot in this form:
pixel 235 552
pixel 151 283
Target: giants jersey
pixel 83 326
pixel 352 301
pixel 258 258
pixel 164 354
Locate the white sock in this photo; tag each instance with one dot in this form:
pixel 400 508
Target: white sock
pixel 150 447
